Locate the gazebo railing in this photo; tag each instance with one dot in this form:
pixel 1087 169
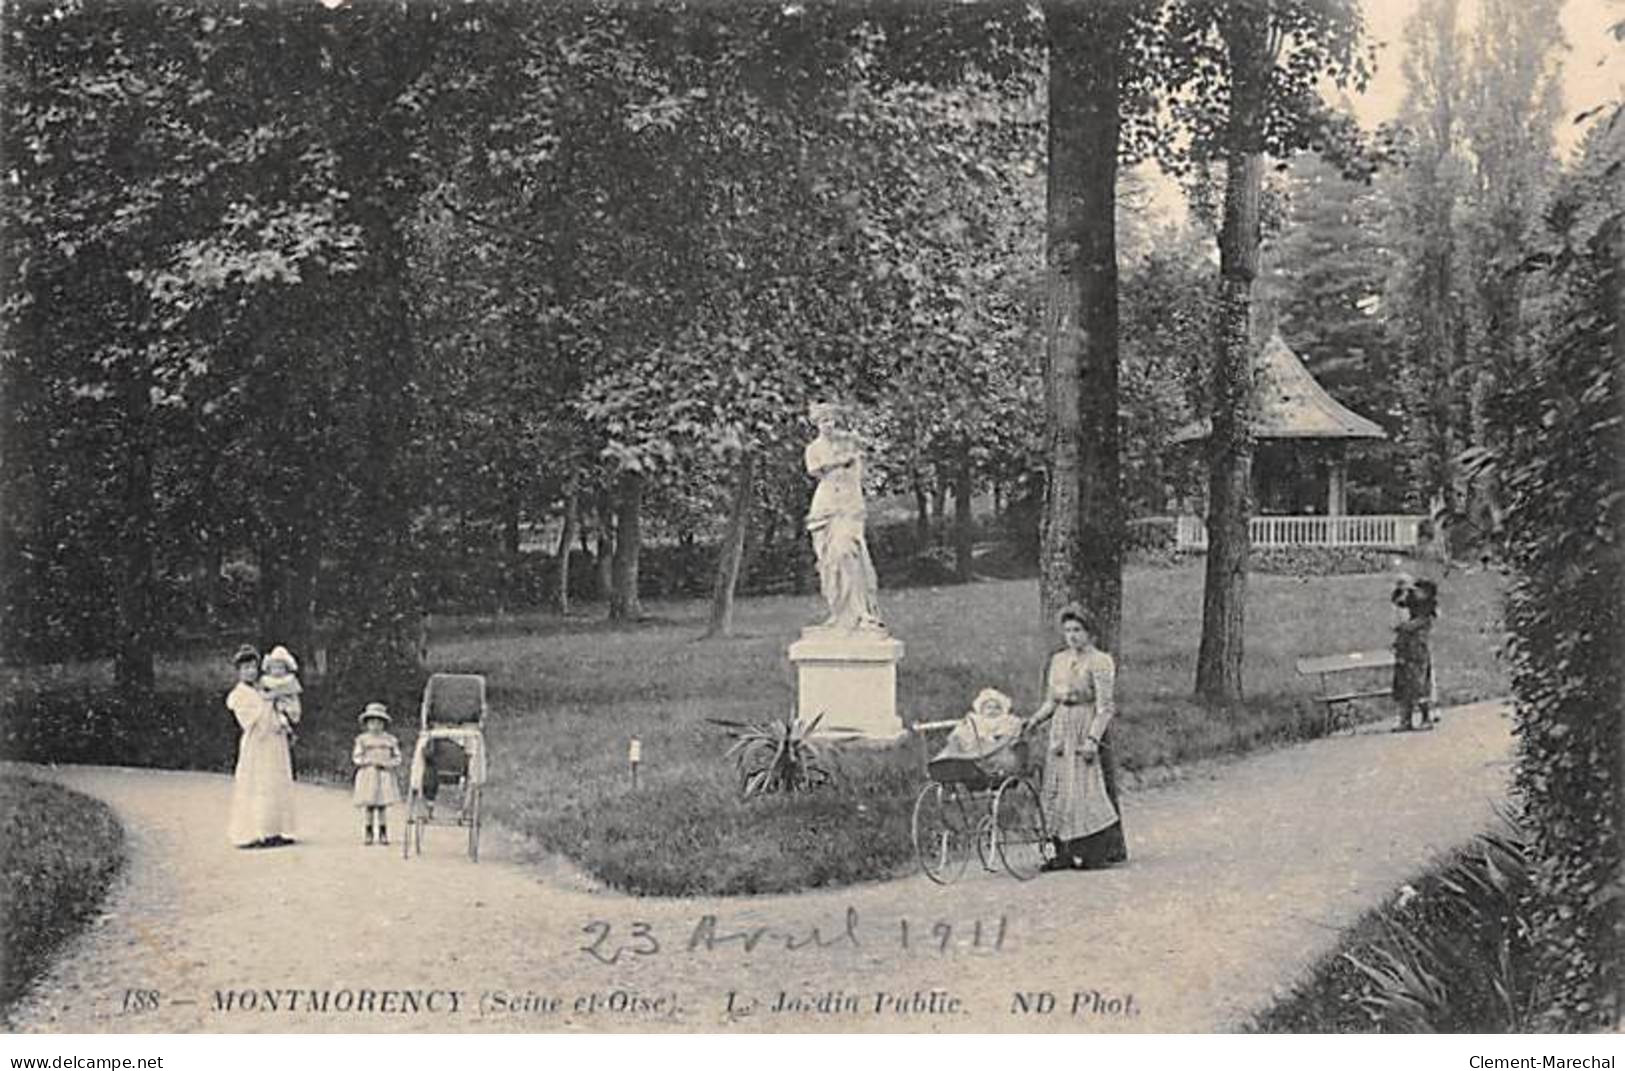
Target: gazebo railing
pixel 1370 530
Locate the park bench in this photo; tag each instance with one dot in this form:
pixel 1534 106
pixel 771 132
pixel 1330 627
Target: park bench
pixel 1347 677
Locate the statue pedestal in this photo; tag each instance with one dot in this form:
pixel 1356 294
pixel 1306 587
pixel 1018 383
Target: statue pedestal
pixel 850 677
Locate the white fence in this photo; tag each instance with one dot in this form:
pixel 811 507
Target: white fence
pixel 1375 530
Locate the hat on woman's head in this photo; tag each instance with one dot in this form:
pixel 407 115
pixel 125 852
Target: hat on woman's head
pixel 1075 612
pixel 374 710
pixel 246 653
pixel 993 694
pixel 281 654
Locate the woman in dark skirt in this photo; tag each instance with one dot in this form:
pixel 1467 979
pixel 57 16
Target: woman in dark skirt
pixel 1413 656
pixel 1080 790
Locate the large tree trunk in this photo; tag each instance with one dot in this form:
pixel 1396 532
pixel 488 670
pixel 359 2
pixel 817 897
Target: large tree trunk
pixel 133 658
pixel 1081 529
pixel 623 597
pixel 211 541
pixel 510 595
pixel 922 510
pixel 604 563
pixel 964 524
pixel 567 538
pixel 512 516
pixel 1230 449
pixel 214 562
pixel 770 526
pixel 732 552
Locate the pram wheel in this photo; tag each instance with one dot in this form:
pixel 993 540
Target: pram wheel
pixel 987 844
pixel 1019 830
pixel 450 755
pixel 942 829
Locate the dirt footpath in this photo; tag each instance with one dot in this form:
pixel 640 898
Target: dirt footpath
pixel 1239 880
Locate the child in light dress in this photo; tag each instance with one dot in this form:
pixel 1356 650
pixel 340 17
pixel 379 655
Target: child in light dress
pixel 987 736
pixel 376 755
pixel 989 724
pixel 279 683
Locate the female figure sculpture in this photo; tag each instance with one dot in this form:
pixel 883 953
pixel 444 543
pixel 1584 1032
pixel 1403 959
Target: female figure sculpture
pixel 846 573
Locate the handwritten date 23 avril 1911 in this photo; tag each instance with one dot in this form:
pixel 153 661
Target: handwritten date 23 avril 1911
pixel 610 943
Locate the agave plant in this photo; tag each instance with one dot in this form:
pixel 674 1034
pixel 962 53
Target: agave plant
pixel 1492 884
pixel 778 756
pixel 1408 990
pixel 1487 887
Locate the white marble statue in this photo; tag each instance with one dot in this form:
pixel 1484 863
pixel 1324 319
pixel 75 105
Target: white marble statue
pixel 835 521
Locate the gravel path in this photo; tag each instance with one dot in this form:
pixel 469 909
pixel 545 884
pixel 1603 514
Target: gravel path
pixel 1239 881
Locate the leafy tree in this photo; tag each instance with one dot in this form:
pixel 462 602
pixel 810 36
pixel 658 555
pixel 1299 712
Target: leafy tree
pixel 1514 95
pixel 145 152
pixel 1167 311
pixel 1324 278
pixel 1426 288
pixel 1476 145
pixel 1246 82
pixel 952 235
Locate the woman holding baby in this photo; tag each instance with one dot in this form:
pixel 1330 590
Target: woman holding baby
pixel 262 787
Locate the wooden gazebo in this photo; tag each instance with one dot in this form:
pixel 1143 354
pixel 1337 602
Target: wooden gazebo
pixel 1298 425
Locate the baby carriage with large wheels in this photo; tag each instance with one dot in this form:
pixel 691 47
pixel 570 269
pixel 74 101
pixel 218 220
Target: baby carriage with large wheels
pixel 450 755
pixel 981 799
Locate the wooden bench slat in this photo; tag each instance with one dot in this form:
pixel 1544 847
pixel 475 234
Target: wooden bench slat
pixel 1345 662
pixel 1343 697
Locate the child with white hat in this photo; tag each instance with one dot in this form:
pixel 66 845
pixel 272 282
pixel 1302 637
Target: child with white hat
pixel 376 755
pixel 279 683
pixel 991 721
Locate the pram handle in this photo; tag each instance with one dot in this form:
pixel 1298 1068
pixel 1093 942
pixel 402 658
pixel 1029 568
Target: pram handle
pixel 1028 724
pixel 932 726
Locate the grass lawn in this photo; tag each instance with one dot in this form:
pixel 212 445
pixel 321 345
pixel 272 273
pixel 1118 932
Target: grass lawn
pixel 568 694
pixel 59 851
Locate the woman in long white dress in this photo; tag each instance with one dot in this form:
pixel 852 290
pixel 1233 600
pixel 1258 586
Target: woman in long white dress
pixel 262 787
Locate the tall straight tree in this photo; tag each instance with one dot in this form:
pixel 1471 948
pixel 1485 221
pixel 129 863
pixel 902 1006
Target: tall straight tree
pixel 1081 554
pixel 1428 284
pixel 1245 79
pixel 1514 100
pixel 1250 50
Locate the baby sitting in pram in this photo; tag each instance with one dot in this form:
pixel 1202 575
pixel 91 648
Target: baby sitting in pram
pixel 983 742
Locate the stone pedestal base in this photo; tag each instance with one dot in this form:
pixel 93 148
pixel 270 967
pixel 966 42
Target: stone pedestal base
pixel 850 677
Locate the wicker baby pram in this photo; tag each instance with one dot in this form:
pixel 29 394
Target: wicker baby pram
pixel 983 768
pixel 980 800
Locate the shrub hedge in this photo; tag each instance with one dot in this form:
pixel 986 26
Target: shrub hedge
pixel 186 728
pixel 1320 561
pixel 59 853
pixel 1562 429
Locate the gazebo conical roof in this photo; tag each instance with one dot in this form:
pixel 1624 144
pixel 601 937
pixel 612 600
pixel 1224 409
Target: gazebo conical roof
pixel 1291 405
